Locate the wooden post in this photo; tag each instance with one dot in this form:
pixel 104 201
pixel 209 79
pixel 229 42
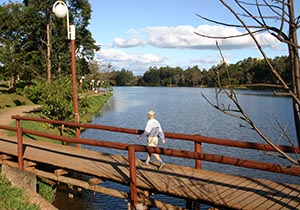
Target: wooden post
pixel 20 144
pixel 132 172
pixel 198 148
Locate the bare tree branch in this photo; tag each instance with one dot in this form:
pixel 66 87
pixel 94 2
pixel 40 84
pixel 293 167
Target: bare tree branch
pixel 217 22
pixel 282 11
pixel 228 37
pixel 274 71
pixel 243 115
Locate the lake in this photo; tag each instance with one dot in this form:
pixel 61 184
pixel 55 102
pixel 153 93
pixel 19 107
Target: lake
pixel 184 110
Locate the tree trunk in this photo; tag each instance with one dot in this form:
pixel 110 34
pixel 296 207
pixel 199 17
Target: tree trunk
pixel 294 59
pixel 48 53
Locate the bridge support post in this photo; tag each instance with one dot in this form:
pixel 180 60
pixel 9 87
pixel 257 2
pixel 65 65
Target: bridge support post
pixel 192 205
pixel 132 172
pixel 133 205
pixel 19 177
pixel 198 148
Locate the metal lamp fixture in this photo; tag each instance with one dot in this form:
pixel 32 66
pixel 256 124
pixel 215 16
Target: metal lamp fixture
pixel 60 9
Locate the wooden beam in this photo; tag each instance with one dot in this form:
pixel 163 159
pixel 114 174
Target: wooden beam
pixel 29 163
pixel 60 172
pixel 94 181
pixel 5 157
pixel 79 183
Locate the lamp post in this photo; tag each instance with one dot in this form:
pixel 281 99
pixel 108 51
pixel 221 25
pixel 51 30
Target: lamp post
pixel 60 9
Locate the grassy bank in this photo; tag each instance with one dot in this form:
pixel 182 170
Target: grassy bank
pixel 10 100
pixel 95 103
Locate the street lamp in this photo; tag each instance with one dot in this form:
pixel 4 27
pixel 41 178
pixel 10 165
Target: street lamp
pixel 60 9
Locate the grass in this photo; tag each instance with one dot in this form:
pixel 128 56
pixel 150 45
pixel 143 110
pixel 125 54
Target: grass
pixel 12 100
pixel 12 198
pixel 46 191
pixel 37 126
pixel 8 100
pixel 95 102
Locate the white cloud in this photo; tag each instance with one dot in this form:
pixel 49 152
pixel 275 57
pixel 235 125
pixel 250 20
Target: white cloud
pixel 133 42
pixel 190 48
pixel 184 37
pixel 137 63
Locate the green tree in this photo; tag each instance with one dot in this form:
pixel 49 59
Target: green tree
pixel 55 98
pixel 193 76
pixel 12 38
pixel 37 40
pixel 151 77
pixel 125 78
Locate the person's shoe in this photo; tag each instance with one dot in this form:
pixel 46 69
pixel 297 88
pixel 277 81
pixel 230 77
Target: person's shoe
pixel 161 166
pixel 145 163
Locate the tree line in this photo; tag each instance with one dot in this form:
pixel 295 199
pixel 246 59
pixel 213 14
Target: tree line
pixel 250 71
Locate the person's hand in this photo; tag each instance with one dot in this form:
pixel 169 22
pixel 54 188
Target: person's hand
pixel 163 141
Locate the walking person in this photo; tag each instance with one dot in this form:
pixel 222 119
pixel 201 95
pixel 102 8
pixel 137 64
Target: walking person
pixel 153 130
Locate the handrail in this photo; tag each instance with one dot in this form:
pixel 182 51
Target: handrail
pixel 174 152
pixel 179 136
pixel 9 128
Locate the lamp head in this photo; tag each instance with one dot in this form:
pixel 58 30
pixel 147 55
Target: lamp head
pixel 60 9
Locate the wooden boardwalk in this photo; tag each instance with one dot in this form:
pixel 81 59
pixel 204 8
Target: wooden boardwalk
pixel 217 189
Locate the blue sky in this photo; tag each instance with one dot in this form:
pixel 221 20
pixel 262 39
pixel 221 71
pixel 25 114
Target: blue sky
pixel 137 34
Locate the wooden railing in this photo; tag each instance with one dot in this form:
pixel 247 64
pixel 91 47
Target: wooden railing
pixel 197 154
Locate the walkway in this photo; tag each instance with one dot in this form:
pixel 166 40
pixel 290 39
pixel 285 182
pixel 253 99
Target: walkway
pixel 5 117
pixel 218 189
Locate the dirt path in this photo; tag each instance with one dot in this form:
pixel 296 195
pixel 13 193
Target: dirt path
pixel 5 117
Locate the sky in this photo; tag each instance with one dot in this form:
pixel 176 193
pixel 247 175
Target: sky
pixel 138 34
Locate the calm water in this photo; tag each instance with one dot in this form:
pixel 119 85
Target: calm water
pixel 184 110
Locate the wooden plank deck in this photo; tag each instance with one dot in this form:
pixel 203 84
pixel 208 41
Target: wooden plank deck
pixel 218 189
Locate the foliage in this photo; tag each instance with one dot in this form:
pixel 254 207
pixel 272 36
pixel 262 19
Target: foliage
pixel 23 52
pixel 248 71
pixel 11 38
pixel 13 198
pixel 124 78
pixel 89 105
pixel 56 99
pixel 24 47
